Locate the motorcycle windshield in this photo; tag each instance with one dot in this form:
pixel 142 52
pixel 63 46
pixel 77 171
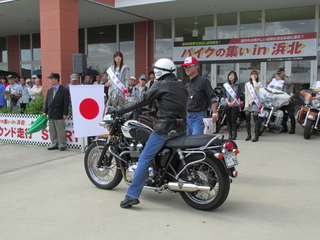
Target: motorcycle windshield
pixel 276 84
pixel 115 100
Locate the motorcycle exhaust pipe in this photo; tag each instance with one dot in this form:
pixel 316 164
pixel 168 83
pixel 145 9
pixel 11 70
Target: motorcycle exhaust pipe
pixel 186 187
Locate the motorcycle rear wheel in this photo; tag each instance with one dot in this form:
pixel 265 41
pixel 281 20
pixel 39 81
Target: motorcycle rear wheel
pixel 108 176
pixel 308 129
pixel 206 173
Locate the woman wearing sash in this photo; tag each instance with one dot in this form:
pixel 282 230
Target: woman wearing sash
pixel 252 104
pixel 119 74
pixel 232 96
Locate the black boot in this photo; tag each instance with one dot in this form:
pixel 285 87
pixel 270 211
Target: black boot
pixel 293 125
pixel 229 131
pixel 234 131
pixel 248 126
pixel 284 123
pixel 256 128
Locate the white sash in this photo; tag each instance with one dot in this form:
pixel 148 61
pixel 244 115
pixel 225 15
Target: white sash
pixel 253 95
pixel 116 81
pixel 232 93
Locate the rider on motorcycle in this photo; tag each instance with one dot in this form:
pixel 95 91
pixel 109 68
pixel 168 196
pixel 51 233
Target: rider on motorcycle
pixel 171 98
pixel 288 88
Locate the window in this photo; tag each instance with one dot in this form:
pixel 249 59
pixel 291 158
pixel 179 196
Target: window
pixel 250 24
pixel 3 50
pixel 223 70
pixel 82 48
pixel 163 38
pixel 290 20
pixel 126 38
pixel 25 47
pixel 36 48
pixel 227 25
pixel 194 29
pixel 102 41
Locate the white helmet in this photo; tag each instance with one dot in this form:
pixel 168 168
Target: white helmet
pixel 162 67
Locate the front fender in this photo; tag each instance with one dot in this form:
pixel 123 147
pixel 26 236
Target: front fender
pixel 312 116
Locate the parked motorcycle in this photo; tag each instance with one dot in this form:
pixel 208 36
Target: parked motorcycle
pixel 199 167
pixel 271 116
pixel 309 114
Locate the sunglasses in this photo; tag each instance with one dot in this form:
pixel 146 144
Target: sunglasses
pixel 186 67
pixel 143 79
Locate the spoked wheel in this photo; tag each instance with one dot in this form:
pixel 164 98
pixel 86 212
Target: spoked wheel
pixel 308 129
pixel 206 173
pixel 108 175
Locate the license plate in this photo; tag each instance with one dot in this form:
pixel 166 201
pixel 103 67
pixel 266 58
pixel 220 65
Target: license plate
pixel 230 159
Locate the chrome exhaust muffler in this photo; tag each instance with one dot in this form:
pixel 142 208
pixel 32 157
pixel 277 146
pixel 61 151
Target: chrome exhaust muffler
pixel 186 187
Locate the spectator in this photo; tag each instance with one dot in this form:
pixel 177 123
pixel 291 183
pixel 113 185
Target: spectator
pixel 132 83
pixel 36 89
pixel 56 107
pixel 151 79
pixel 15 93
pixel 34 77
pixel 201 95
pixel 4 81
pixel 73 80
pixel 87 80
pixel 98 80
pixel 25 94
pixel 137 92
pixel 2 99
pixel 30 83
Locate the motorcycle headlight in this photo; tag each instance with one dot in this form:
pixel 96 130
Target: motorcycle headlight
pixel 306 101
pixel 315 103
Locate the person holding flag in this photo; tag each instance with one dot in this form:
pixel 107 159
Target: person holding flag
pixel 119 74
pixel 232 96
pixel 252 105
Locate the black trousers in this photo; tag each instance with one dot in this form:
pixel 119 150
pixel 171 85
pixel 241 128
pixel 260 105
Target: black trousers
pixel 288 111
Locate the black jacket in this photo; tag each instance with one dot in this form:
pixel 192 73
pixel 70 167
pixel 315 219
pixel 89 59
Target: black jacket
pixel 57 107
pixel 170 96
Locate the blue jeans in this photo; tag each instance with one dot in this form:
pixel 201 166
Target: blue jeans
pixel 155 143
pixel 195 124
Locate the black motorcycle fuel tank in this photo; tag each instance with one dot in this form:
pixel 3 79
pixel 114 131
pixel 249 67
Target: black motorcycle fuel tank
pixel 137 131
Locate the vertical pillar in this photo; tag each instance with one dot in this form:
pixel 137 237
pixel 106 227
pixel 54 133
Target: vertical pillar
pixel 59 38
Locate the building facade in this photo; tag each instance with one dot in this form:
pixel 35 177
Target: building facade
pixel 145 38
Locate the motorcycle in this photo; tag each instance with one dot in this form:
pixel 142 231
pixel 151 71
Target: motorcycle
pixel 199 167
pixel 270 116
pixel 309 114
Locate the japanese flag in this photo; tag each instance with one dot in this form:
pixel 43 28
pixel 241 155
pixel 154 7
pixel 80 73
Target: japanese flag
pixel 87 109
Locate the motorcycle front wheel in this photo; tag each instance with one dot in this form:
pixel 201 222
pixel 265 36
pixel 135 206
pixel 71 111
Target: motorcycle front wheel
pixel 308 129
pixel 108 175
pixel 206 173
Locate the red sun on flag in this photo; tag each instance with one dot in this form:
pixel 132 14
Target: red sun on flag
pixel 89 108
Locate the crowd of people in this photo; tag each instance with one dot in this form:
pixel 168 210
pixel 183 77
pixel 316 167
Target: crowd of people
pixel 16 92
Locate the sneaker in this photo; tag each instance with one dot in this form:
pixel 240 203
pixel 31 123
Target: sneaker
pixel 128 202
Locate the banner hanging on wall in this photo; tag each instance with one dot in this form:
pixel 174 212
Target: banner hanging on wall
pixel 269 48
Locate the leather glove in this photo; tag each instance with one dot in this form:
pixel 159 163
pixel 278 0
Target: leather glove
pixel 115 111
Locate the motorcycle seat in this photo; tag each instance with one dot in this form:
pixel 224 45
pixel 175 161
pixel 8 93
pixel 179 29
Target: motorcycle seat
pixel 192 141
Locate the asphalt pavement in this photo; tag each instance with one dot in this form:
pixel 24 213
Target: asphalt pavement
pixel 46 195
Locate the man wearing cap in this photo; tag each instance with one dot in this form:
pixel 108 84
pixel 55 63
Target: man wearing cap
pixel 15 93
pixel 289 109
pixel 132 83
pixel 137 92
pixel 73 80
pixel 201 96
pixel 29 83
pixel 56 107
